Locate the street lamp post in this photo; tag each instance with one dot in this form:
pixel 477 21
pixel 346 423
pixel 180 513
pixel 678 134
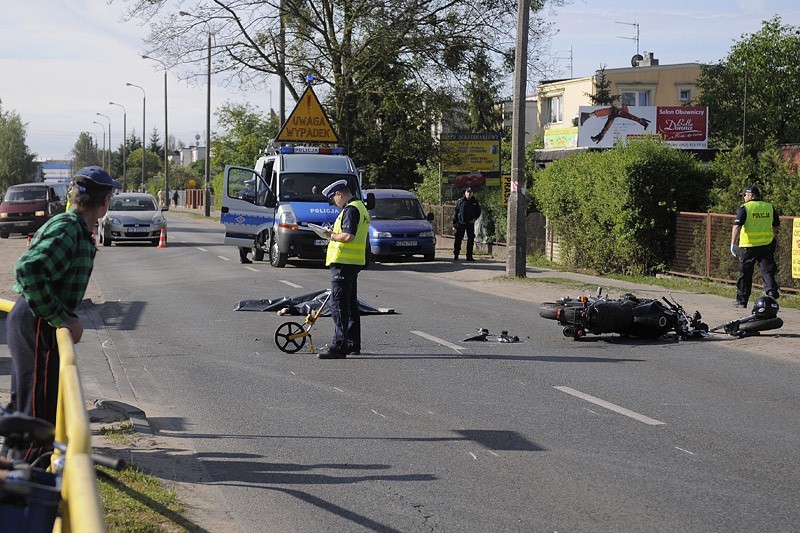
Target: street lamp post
pixel 110 147
pixel 103 153
pixel 143 130
pixel 206 187
pixel 166 132
pixel 124 139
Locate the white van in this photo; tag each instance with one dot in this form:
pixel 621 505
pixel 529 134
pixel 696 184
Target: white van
pixel 269 207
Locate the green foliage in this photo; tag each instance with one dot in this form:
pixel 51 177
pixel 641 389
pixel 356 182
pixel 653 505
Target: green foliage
pixel 84 152
pixel 603 95
pixel 16 161
pixel 152 165
pixel 482 93
pixel 428 189
pixel 247 133
pixel 616 210
pixel 765 64
pixel 774 175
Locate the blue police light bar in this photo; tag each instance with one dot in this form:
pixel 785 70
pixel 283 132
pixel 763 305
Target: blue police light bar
pixel 311 150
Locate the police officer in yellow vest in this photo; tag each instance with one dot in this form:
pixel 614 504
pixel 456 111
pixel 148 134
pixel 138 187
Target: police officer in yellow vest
pixel 346 257
pixel 753 231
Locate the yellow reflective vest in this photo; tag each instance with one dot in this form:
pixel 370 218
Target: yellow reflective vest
pixel 757 228
pixel 353 252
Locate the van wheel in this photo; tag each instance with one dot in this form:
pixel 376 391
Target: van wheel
pixel 276 258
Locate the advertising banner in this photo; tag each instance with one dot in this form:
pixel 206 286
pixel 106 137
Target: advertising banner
pixel 469 160
pixel 683 127
pixel 680 126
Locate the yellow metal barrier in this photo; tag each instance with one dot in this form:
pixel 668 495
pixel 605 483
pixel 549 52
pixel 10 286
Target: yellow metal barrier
pixel 81 509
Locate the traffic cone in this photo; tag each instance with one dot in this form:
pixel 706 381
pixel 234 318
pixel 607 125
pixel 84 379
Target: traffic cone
pixel 28 244
pixel 162 240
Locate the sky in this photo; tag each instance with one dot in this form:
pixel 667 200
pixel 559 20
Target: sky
pixel 63 61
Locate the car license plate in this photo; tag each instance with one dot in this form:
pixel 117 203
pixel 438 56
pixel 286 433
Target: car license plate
pixel 406 243
pixel 320 242
pixel 138 230
pixel 20 224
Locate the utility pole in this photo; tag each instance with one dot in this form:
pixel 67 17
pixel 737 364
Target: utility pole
pixel 517 238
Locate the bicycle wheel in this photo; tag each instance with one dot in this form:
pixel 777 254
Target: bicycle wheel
pixel 283 339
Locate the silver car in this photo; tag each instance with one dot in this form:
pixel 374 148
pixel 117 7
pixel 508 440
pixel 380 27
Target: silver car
pixel 132 217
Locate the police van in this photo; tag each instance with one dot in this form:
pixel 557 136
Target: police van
pixel 269 208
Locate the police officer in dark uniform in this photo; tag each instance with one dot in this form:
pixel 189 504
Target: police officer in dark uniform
pixel 247 194
pixel 346 257
pixel 753 240
pixel 465 214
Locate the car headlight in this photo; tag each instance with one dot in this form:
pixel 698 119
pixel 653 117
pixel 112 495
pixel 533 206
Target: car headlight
pixel 382 234
pixel 158 220
pixel 288 218
pixel 115 221
pixel 3 215
pixel 40 213
pixel 426 234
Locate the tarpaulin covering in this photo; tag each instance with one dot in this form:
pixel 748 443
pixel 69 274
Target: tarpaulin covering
pixel 302 304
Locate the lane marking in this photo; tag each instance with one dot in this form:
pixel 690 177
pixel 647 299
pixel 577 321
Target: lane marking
pixel 437 340
pixel 251 269
pixel 687 451
pixel 473 455
pixel 337 388
pixel 289 283
pixel 223 258
pixel 201 248
pixel 610 406
pixel 377 413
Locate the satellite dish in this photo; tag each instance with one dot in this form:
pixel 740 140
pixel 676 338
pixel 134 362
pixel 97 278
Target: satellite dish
pixel 635 60
pixel 197 137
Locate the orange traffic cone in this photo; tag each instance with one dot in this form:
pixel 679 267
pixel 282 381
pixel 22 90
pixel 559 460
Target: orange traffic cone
pixel 162 241
pixel 28 244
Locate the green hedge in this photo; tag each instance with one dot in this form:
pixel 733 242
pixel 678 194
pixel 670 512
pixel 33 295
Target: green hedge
pixel 615 211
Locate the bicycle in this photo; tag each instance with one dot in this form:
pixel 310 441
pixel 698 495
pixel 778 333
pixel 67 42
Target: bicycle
pixel 30 494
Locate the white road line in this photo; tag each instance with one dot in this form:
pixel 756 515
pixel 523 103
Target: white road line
pixel 493 453
pixel 223 258
pixel 252 269
pixel 289 283
pixel 473 455
pixel 437 340
pixel 610 406
pixel 337 388
pixel 687 451
pixel 201 248
pixel 377 413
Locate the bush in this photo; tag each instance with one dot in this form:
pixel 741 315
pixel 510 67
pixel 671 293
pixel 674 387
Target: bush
pixel 615 211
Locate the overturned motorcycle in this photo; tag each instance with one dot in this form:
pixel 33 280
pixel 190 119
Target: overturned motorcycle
pixel 626 315
pixel 649 318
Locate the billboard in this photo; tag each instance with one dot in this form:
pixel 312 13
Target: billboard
pixel 469 160
pixel 680 126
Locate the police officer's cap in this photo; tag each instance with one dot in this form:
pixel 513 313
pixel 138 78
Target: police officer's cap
pixel 752 189
pixel 331 189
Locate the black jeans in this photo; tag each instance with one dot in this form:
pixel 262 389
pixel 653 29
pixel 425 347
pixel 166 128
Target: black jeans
pixel 470 231
pixel 765 257
pixel 344 306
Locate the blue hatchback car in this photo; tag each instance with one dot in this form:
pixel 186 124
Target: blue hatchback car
pixel 399 226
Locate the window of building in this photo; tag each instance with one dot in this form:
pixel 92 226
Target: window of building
pixel 684 95
pixel 631 98
pixel 555 108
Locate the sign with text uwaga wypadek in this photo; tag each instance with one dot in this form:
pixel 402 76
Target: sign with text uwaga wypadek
pixel 308 122
pixel 469 160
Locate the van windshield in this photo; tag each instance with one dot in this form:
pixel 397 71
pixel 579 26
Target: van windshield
pixel 307 187
pixel 25 194
pixel 396 209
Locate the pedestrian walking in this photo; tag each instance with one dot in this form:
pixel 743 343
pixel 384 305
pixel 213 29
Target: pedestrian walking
pixel 51 277
pixel 753 241
pixel 175 199
pixel 346 257
pixel 465 214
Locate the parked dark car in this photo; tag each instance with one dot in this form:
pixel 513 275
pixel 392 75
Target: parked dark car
pixel 27 206
pixel 399 226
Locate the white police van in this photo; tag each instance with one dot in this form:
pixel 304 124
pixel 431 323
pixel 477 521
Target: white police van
pixel 268 208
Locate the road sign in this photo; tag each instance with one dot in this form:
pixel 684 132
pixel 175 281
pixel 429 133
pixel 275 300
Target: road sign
pixel 308 122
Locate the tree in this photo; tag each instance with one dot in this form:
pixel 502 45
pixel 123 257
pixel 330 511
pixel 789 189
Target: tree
pixel 761 76
pixel 483 94
pixel 155 145
pixel 248 133
pixel 16 161
pixel 152 165
pixel 84 152
pixel 347 46
pixel 602 87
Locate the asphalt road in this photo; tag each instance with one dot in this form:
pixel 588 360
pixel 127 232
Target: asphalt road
pixel 426 432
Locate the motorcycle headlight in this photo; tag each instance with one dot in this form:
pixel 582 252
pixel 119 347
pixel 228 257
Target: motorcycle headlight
pixel 426 234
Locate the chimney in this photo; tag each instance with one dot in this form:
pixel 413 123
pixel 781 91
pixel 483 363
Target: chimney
pixel 649 60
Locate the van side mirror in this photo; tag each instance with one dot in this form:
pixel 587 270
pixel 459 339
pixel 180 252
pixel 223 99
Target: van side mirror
pixel 429 217
pixel 370 202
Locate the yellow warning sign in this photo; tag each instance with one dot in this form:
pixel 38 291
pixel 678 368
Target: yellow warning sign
pixel 308 122
pixel 796 248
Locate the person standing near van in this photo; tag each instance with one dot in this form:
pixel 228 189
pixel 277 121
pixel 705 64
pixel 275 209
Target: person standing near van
pixel 465 214
pixel 51 277
pixel 753 240
pixel 346 257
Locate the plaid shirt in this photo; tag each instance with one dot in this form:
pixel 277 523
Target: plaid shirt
pixel 53 273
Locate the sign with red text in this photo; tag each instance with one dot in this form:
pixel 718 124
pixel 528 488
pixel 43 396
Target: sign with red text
pixel 683 126
pixel 679 126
